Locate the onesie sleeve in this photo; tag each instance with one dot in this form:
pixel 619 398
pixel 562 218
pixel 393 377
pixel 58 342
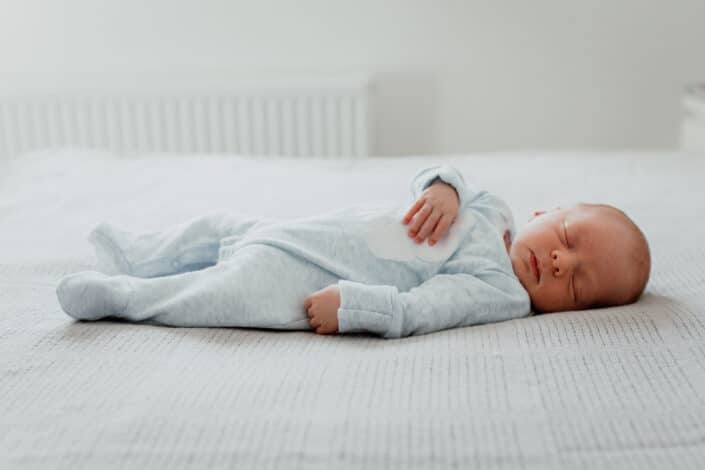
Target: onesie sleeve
pixel 446 173
pixel 444 301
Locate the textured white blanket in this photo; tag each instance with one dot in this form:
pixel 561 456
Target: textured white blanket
pixel 613 388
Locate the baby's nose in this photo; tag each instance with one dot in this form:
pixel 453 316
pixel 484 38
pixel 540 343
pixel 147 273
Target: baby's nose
pixel 561 262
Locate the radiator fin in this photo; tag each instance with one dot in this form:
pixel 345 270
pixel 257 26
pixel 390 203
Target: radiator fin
pixel 274 122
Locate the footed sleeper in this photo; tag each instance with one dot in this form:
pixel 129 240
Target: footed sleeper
pixel 227 270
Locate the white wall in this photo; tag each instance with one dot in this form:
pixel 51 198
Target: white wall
pixel 452 76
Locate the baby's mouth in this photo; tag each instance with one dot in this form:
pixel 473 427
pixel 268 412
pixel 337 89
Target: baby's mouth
pixel 533 262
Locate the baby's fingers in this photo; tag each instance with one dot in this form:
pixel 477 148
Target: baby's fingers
pixel 428 226
pixel 419 219
pixel 417 205
pixel 441 229
pixel 315 322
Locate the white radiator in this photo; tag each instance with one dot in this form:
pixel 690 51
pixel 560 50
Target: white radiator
pixel 329 119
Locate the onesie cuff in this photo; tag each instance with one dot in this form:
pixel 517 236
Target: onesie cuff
pixel 365 307
pixel 448 174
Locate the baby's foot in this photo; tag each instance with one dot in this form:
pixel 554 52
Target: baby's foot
pixel 90 295
pixel 110 245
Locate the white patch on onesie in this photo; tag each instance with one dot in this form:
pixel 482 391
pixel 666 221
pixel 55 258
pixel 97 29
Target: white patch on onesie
pixel 387 237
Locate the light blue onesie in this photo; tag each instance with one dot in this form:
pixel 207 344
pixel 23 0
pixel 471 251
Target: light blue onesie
pixel 224 270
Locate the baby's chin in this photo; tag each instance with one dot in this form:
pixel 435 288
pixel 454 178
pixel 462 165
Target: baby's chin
pixel 536 308
pixel 525 282
pixel 536 301
pixel 517 267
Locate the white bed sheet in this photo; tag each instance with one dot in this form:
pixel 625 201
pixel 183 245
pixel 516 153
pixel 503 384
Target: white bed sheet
pixel 614 388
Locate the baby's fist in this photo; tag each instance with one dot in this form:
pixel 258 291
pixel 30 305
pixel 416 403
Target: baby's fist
pixel 322 309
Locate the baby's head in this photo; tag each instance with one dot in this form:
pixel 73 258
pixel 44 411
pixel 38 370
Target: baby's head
pixel 585 256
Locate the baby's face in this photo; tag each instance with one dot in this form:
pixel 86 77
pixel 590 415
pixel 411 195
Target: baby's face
pixel 572 259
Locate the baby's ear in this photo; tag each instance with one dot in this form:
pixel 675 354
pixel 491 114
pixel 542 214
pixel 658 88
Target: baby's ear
pixel 536 214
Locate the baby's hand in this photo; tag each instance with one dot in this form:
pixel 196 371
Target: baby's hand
pixel 435 211
pixel 322 309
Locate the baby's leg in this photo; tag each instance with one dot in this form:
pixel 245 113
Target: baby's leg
pixel 259 287
pixel 188 246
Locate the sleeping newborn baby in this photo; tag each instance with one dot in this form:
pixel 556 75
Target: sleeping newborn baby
pixel 366 269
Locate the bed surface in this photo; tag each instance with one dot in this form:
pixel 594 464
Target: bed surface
pixel 612 388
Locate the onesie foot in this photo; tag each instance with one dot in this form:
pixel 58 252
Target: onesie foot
pixel 110 244
pixel 90 295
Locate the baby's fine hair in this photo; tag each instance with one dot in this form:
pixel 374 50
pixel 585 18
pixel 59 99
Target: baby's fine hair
pixel 640 254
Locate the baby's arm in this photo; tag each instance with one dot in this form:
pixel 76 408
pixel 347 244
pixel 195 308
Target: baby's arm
pixel 447 300
pixel 444 301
